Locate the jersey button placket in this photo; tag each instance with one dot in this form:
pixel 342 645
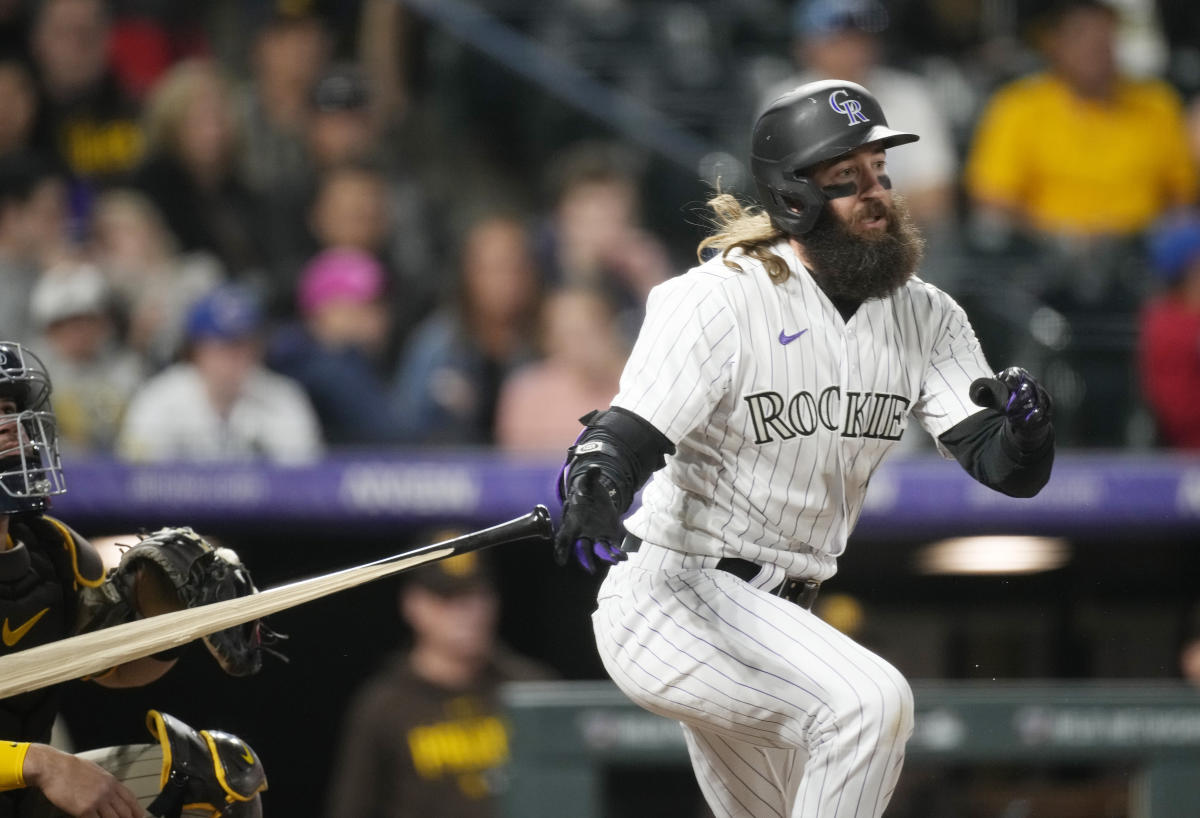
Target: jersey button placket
pixel 840 445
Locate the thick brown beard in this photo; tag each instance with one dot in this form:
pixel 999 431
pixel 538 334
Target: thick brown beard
pixel 857 267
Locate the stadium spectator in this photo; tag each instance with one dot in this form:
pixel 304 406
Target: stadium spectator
pixel 33 235
pixel 583 352
pixel 1169 352
pixel 593 235
pixel 85 118
pixel 448 380
pixel 221 403
pixel 288 53
pixel 341 124
pixel 19 102
pixel 1069 166
pixel 154 284
pixel 338 131
pixel 149 37
pixel 350 209
pixel 844 39
pixel 344 129
pixel 94 373
pixel 334 351
pixel 344 133
pixel 425 737
pixel 190 172
pixel 1078 151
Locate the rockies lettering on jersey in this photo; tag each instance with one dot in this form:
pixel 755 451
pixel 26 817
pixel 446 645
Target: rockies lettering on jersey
pixel 867 414
pixel 781 409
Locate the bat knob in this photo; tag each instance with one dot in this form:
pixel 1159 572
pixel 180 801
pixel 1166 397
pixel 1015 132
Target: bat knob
pixel 990 393
pixel 542 524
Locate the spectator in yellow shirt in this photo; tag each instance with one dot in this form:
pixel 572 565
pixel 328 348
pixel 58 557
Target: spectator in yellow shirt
pixel 1080 151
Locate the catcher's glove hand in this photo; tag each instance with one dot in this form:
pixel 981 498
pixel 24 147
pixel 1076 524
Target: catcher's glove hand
pixel 1025 404
pixel 197 573
pixel 591 525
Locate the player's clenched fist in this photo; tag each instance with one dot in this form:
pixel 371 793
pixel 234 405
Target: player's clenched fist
pixel 591 524
pixel 1025 404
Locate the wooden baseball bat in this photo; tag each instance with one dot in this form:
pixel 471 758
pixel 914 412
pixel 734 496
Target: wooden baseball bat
pixel 78 656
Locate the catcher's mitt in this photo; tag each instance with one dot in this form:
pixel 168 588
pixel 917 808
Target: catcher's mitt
pixel 197 574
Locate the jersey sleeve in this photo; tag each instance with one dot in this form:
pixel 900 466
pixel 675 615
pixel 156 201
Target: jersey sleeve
pixel 955 360
pixel 680 364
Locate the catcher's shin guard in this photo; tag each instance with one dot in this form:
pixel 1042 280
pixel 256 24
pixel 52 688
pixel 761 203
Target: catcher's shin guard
pixel 205 770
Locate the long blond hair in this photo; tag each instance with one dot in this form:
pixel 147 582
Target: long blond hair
pixel 747 228
pixel 168 103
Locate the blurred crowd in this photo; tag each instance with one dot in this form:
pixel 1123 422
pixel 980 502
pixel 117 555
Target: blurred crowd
pixel 272 228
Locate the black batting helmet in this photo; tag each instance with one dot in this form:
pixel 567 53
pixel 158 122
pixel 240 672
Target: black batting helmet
pixel 808 125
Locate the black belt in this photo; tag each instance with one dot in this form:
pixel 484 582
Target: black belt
pixel 802 592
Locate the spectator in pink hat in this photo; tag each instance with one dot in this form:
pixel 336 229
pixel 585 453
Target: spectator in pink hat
pixel 336 347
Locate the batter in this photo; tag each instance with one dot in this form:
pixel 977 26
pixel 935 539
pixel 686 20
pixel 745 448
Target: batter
pixel 766 386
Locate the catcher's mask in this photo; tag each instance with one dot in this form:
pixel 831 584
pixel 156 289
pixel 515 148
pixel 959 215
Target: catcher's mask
pixel 808 125
pixel 30 468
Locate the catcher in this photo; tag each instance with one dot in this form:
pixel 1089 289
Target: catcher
pixel 53 584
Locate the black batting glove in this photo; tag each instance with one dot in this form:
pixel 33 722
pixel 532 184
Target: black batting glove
pixel 1025 404
pixel 591 525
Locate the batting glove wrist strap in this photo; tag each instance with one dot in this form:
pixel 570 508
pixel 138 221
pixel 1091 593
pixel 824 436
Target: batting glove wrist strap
pixel 627 448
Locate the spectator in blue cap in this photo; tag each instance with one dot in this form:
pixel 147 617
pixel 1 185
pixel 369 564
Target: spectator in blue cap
pixel 1169 345
pixel 841 39
pixel 221 403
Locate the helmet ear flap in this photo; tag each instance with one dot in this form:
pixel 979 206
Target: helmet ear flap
pixel 796 204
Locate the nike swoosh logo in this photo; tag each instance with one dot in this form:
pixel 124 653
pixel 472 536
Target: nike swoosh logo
pixel 12 636
pixel 786 339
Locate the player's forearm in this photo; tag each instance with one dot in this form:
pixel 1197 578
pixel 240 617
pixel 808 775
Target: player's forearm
pixel 137 673
pixel 986 448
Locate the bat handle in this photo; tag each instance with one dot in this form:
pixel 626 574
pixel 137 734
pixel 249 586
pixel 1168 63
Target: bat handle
pixel 534 525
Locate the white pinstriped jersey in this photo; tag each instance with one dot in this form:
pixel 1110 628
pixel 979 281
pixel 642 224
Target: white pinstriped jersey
pixel 781 410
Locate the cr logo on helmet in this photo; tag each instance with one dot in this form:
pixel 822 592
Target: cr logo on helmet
pixel 852 108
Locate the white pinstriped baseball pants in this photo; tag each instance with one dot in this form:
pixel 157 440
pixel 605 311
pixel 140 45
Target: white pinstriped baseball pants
pixel 138 767
pixel 784 715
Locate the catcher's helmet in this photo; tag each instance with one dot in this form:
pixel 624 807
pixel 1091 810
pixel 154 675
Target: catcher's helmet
pixel 810 124
pixel 30 469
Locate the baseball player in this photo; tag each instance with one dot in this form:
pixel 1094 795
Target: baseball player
pixel 765 387
pixel 54 583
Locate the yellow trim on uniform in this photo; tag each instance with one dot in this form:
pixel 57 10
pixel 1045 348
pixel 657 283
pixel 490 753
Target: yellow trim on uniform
pixel 230 795
pixel 69 544
pixel 157 728
pixel 12 764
